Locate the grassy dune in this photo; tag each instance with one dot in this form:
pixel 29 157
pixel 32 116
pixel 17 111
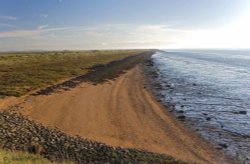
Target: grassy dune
pixel 23 72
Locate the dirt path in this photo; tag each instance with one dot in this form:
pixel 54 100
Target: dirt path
pixel 119 113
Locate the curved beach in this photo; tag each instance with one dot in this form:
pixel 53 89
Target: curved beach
pixel 121 113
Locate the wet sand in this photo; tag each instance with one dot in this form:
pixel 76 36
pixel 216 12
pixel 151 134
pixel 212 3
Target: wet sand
pixel 119 113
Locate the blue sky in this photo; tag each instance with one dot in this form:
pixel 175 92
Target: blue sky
pixel 107 24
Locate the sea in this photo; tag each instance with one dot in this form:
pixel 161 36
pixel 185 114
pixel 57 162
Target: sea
pixel 210 91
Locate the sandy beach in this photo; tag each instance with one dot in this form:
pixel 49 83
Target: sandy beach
pixel 121 113
pixel 125 81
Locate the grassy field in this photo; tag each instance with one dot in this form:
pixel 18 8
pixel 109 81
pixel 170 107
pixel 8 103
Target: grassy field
pixel 24 72
pixel 7 157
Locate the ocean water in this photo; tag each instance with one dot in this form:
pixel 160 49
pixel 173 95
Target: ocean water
pixel 211 88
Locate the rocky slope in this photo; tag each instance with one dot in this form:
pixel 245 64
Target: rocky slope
pixel 19 133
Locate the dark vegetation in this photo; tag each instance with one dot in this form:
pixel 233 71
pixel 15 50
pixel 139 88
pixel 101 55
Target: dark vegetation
pixel 99 73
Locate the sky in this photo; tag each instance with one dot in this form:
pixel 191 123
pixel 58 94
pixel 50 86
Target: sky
pixel 123 24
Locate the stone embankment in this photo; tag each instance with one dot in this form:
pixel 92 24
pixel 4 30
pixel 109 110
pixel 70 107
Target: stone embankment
pixel 20 134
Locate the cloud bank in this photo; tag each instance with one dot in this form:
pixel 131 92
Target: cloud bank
pixel 124 36
pixel 92 37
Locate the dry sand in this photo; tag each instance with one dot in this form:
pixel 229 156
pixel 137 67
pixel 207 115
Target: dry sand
pixel 119 113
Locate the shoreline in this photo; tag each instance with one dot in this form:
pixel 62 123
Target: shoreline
pixel 120 126
pixel 205 106
pixel 150 124
pixel 151 74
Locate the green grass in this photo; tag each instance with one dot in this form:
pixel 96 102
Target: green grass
pixel 27 71
pixel 7 157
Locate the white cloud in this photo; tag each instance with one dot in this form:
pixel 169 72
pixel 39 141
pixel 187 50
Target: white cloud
pixel 110 36
pixel 19 33
pixel 100 36
pixel 45 16
pixel 42 27
pixel 39 32
pixel 7 18
pixel 6 25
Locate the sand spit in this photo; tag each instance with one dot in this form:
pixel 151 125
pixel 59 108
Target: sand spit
pixel 119 113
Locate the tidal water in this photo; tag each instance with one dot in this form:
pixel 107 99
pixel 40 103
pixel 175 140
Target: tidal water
pixel 211 89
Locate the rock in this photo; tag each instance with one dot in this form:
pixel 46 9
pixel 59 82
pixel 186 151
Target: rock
pixel 159 100
pixel 19 133
pixel 218 148
pixel 182 118
pixel 208 118
pixel 223 145
pixel 36 148
pixel 242 112
pixel 36 139
pixel 158 86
